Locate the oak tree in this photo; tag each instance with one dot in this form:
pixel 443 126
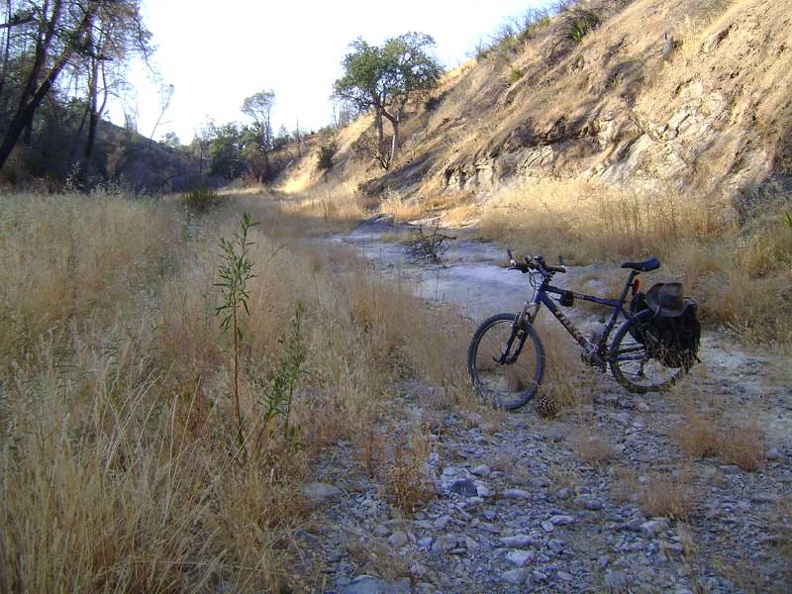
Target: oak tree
pixel 385 79
pixel 40 39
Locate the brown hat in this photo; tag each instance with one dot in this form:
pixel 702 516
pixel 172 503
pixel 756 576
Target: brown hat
pixel 666 299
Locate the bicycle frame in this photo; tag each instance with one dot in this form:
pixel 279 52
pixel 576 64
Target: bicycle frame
pixel 506 358
pixel 541 296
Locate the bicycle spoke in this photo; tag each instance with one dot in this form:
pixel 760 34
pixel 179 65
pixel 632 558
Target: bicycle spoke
pixel 634 365
pixel 506 368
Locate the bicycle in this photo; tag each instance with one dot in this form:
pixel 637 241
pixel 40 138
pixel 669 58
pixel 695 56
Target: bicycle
pixel 506 358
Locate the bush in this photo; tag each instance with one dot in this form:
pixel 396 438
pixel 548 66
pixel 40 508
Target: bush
pixel 515 75
pixel 578 21
pixel 201 200
pixel 326 153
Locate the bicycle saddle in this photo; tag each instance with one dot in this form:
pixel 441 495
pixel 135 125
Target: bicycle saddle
pixel 644 266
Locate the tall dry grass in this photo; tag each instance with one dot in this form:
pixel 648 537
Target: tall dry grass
pixel 119 468
pixel 740 271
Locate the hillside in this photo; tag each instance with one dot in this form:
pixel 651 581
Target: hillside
pixel 683 96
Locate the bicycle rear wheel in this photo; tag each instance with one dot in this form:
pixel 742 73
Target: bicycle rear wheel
pixel 634 364
pixel 506 364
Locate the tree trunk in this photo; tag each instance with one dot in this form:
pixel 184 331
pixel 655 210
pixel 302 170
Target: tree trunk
pixel 381 156
pixel 93 117
pixel 96 109
pixel 27 109
pixel 34 92
pixel 395 144
pixel 394 121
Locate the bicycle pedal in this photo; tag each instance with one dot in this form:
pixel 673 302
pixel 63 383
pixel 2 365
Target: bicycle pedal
pixel 593 359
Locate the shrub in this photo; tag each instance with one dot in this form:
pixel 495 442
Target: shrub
pixel 430 246
pixel 235 271
pixel 577 22
pixel 515 75
pixel 201 200
pixel 325 158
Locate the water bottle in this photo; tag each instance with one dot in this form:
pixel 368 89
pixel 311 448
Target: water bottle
pixel 597 330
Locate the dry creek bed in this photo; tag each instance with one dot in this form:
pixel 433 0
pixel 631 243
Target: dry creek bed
pixel 520 505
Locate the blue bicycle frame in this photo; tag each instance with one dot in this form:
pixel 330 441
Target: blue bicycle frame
pixel 541 296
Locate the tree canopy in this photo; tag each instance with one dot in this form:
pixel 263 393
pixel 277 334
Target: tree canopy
pixel 41 40
pixel 386 78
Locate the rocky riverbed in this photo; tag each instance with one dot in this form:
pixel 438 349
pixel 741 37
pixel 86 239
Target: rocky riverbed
pixel 611 495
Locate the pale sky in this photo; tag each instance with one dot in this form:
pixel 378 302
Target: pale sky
pixel 218 52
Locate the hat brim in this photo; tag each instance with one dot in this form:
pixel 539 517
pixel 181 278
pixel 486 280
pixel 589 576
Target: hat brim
pixel 654 304
pixel 667 312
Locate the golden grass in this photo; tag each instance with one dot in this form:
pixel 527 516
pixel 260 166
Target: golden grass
pixel 744 446
pixel 119 467
pixel 586 222
pixel 589 446
pixel 740 273
pixel 332 208
pixel 407 483
pixel 402 210
pixel 666 495
pixel 706 433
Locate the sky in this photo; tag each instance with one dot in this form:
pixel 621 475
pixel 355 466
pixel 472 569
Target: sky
pixel 216 53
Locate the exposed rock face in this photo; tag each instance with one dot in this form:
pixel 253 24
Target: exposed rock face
pixel 626 146
pixel 664 96
pixel 642 101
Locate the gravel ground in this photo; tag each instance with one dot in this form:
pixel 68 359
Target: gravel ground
pixel 601 498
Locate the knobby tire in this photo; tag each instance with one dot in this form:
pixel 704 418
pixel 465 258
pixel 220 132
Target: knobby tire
pixel 511 384
pixel 633 363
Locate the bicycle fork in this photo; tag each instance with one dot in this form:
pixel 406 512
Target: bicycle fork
pixel 518 333
pixel 505 358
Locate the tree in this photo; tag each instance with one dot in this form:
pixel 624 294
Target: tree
pixel 116 33
pixel 171 139
pixel 166 94
pixel 386 79
pixel 42 38
pixel 225 151
pixel 259 108
pixel 200 144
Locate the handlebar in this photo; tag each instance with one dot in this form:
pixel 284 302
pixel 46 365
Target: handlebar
pixel 536 263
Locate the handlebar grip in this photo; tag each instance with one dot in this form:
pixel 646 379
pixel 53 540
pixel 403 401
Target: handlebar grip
pixel 538 263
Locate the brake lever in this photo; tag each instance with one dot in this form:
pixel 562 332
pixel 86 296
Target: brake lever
pixel 514 265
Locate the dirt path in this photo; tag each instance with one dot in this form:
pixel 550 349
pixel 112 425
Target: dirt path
pixel 473 279
pixel 525 504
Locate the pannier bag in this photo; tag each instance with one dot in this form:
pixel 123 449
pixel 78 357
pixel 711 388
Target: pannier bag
pixel 672 335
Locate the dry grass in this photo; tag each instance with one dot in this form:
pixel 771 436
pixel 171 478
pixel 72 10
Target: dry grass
pixel 706 433
pixel 408 484
pixel 589 446
pixel 783 532
pixel 119 468
pixel 739 273
pixel 664 495
pixel 744 446
pixel 585 222
pixel 402 210
pixel 323 208
pixel 698 436
pixel 568 383
pixel 625 484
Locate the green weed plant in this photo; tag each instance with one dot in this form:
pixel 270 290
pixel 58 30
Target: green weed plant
pixel 278 396
pixel 235 272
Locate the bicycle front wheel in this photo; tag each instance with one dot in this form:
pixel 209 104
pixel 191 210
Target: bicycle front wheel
pixel 633 361
pixel 505 362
